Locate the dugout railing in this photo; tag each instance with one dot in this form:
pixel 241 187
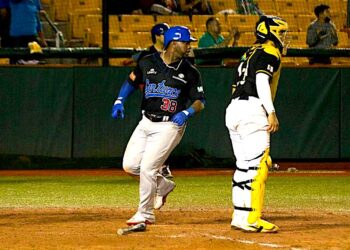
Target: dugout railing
pixel 201 53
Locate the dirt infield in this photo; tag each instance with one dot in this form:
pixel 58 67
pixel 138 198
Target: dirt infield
pixel 95 228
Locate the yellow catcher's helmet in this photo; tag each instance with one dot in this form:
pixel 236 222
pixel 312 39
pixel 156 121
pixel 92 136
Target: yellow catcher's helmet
pixel 271 28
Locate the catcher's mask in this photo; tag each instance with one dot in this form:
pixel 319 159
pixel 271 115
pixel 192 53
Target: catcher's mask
pixel 271 28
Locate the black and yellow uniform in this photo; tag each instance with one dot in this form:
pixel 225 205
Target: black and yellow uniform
pixel 261 58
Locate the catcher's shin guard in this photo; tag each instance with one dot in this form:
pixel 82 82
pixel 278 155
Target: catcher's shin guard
pixel 258 188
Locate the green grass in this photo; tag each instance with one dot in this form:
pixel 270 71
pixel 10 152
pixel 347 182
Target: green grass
pixel 210 192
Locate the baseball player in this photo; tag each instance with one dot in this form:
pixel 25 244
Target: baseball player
pixel 251 118
pixel 173 93
pixel 157 34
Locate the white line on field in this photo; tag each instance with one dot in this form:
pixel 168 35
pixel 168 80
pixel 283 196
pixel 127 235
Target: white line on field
pixel 220 237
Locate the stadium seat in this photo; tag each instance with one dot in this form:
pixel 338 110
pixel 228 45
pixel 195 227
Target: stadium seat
pixel 243 22
pixel 297 39
pixel 197 35
pixel 136 22
pixel 292 7
pixel 93 25
pixel 304 20
pixel 268 7
pixel 77 24
pixel 198 22
pixel 286 60
pixel 339 19
pixel 114 25
pixel 125 39
pixel 62 8
pixel 175 20
pixel 246 39
pixel 85 4
pixel 220 5
pixel 143 39
pixel 4 61
pixel 292 22
pixel 343 39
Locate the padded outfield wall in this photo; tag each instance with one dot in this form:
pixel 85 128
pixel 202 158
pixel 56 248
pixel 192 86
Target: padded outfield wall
pixel 65 112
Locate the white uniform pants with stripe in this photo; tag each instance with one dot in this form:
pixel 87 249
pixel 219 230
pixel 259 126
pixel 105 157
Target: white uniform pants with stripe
pixel 149 146
pixel 247 123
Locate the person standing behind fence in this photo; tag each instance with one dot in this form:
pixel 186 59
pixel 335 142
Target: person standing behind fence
pixel 173 93
pixel 250 119
pixel 322 33
pixel 213 38
pixel 5 16
pixel 25 25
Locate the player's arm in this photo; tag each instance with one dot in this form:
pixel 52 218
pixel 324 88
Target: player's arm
pixel 264 93
pixel 182 117
pixel 125 91
pixel 196 94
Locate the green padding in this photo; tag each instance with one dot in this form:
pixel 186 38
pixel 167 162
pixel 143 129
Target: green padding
pixel 38 106
pixel 36 111
pixel 345 114
pixel 308 107
pixel 207 130
pixel 96 134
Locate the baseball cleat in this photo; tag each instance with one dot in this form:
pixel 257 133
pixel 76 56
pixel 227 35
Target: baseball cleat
pixel 261 226
pixel 160 200
pixel 165 171
pixel 138 219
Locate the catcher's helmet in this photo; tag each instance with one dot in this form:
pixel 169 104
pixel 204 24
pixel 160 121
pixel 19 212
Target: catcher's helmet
pixel 158 29
pixel 178 33
pixel 271 28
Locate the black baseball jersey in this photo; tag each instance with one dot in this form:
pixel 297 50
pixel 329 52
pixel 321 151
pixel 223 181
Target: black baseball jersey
pixel 168 88
pixel 144 53
pixel 263 58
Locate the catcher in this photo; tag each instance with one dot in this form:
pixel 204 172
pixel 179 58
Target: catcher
pixel 250 119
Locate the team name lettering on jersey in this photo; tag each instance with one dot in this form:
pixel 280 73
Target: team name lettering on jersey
pixel 160 90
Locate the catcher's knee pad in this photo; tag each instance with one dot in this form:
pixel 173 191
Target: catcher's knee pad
pixel 258 187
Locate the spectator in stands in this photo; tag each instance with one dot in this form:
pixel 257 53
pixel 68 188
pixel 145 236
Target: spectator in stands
pixel 5 23
pixel 248 7
pixel 25 26
pixel 165 7
pixel 197 7
pixel 322 33
pixel 212 38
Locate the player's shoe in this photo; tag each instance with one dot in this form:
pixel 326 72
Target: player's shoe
pixel 260 226
pixel 160 200
pixel 165 171
pixel 138 218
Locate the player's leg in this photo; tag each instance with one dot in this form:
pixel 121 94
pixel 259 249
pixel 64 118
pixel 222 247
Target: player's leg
pixel 251 179
pixel 134 151
pixel 162 137
pixel 250 142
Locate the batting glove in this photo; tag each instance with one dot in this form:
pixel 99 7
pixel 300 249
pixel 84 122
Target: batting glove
pixel 118 110
pixel 181 117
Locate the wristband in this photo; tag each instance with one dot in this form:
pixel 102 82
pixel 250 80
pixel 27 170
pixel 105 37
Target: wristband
pixel 189 112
